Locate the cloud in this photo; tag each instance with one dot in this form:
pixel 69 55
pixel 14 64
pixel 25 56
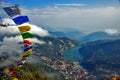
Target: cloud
pixel 14 29
pixel 112 31
pixel 83 19
pixel 9 29
pixel 70 5
pixel 10 43
pixel 11 50
pixel 39 31
pixel 15 39
pixel 34 40
pixel 8 21
pixel 3 4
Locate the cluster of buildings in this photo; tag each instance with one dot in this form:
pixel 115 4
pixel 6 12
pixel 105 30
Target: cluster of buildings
pixel 70 70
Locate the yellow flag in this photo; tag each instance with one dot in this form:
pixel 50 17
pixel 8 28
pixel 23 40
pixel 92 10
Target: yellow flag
pixel 24 28
pixel 15 78
pixel 29 51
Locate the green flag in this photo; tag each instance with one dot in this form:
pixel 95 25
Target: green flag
pixel 26 55
pixel 27 35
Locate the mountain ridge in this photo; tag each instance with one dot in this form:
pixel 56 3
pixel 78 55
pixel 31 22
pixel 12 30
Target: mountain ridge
pixel 101 58
pixel 100 35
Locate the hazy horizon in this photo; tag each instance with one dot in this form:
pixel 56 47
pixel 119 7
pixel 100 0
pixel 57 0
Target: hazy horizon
pixel 84 15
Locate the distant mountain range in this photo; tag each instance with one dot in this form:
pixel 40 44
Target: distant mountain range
pixel 99 36
pixel 71 33
pixel 101 57
pixel 82 37
pixel 75 35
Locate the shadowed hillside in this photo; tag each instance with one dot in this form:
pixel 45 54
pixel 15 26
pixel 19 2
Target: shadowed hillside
pixel 101 58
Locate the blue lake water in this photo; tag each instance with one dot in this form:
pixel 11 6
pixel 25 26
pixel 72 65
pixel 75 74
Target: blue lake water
pixel 73 54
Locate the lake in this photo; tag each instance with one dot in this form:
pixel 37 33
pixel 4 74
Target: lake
pixel 73 54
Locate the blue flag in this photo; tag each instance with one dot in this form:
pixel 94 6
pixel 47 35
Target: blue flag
pixel 28 48
pixel 21 19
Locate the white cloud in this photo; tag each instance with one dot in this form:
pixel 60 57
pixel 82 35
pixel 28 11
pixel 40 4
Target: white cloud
pixel 88 20
pixel 4 4
pixel 34 40
pixel 39 31
pixel 70 5
pixel 9 29
pixel 50 43
pixel 11 49
pixel 8 21
pixel 112 31
pixel 14 29
pixel 10 43
pixel 15 39
pixel 84 19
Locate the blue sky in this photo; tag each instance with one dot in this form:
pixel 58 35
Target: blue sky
pixel 83 15
pixel 44 3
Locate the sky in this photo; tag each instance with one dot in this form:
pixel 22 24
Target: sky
pixel 84 15
pixel 44 3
